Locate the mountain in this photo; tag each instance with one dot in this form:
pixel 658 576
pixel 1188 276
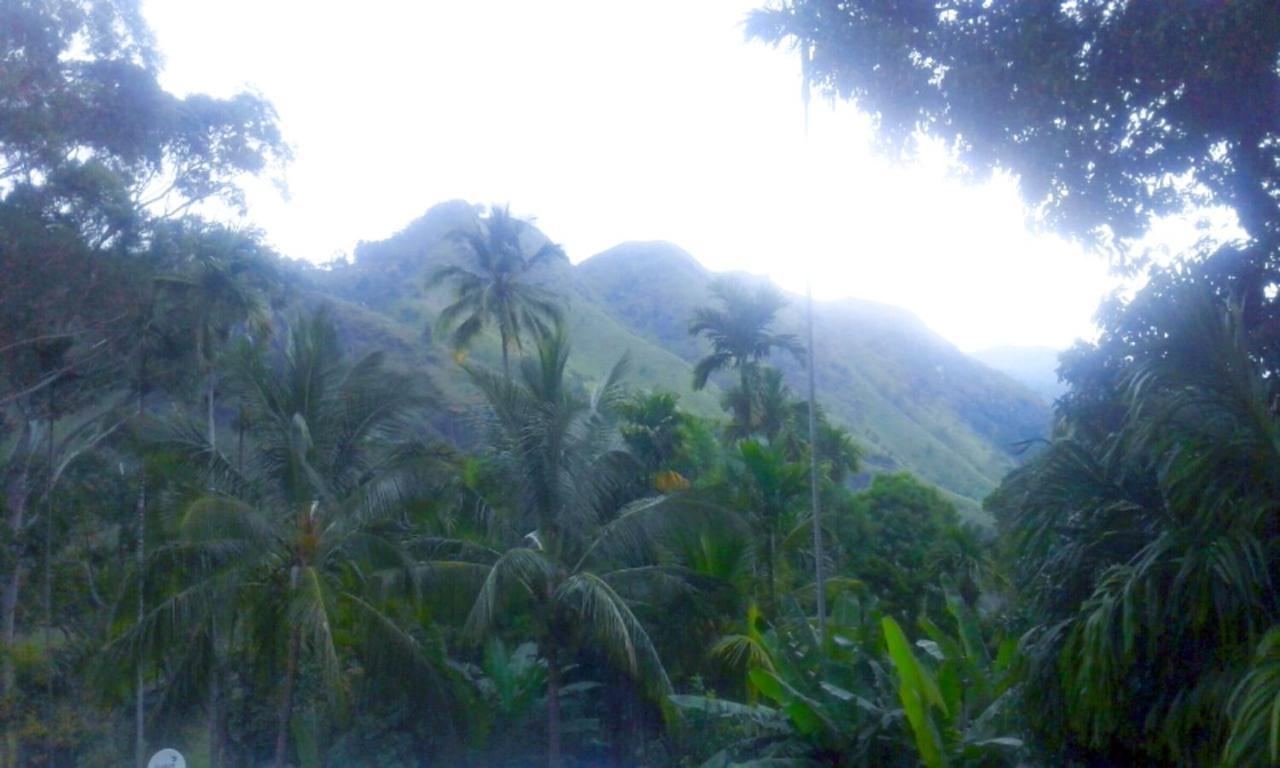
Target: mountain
pixel 913 399
pixel 1034 367
pixel 386 282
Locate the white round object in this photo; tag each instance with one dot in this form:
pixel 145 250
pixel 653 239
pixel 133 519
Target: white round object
pixel 167 758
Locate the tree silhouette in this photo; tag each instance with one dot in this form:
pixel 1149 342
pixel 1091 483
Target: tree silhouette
pixel 741 334
pixel 494 287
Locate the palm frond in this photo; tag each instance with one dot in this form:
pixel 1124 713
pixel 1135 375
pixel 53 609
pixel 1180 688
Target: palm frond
pixel 766 718
pixel 1254 737
pixel 707 366
pixel 520 567
pixel 220 518
pixel 311 612
pixel 742 652
pixel 603 614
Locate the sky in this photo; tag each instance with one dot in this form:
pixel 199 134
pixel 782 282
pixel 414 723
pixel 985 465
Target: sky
pixel 609 121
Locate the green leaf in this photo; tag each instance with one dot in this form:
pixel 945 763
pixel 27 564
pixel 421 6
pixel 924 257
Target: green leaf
pixel 916 691
pixel 767 683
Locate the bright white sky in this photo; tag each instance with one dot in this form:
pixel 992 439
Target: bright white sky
pixel 611 121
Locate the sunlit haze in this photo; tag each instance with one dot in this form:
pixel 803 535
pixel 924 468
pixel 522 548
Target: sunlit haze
pixel 610 122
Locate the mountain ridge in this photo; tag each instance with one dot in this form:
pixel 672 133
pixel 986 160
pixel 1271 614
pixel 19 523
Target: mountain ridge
pixel 912 398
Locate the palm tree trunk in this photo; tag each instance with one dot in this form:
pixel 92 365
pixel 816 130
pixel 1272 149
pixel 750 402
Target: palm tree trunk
pixel 215 698
pixel 48 557
pixel 553 706
pixel 286 698
pixel 212 425
pixel 768 564
pixel 139 701
pixel 506 363
pixel 16 494
pixel 818 579
pixel 215 722
pixel 215 672
pixel 747 427
pixel 12 745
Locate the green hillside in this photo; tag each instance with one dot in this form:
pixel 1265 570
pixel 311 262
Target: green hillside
pixel 913 399
pixel 1036 367
pixel 386 282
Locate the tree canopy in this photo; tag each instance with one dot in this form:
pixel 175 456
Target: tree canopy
pixel 1109 112
pixel 239 516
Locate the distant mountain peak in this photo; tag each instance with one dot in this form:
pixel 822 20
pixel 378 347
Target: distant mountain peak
pixel 906 393
pixel 647 254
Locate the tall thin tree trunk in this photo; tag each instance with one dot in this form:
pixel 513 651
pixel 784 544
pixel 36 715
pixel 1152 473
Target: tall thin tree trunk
pixel 769 567
pixel 506 362
pixel 48 572
pixel 12 587
pixel 553 705
pixel 818 579
pixel 215 671
pixel 10 605
pixel 286 698
pixel 212 424
pixel 215 699
pixel 139 682
pixel 17 492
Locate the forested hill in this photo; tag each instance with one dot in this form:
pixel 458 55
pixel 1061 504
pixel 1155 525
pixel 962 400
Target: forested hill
pixel 911 398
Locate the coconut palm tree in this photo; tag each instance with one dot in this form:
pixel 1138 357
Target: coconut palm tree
pixel 741 335
pixel 494 288
pixel 295 546
pixel 569 604
pixel 573 569
pixel 215 295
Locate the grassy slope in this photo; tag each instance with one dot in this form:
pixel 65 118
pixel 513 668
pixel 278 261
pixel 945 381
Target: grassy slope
pixel 383 296
pixel 912 398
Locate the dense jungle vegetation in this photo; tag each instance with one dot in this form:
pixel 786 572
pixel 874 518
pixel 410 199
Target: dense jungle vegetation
pixel 241 520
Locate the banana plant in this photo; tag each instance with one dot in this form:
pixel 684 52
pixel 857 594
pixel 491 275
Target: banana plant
pixel 866 695
pixel 824 702
pixel 957 697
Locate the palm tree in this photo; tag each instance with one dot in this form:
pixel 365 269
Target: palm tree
pixel 569 603
pixel 782 420
pixel 770 406
pixel 215 295
pixel 741 335
pixel 295 545
pixel 654 432
pixel 769 489
pixel 1146 547
pixel 573 568
pixel 838 452
pixel 494 287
